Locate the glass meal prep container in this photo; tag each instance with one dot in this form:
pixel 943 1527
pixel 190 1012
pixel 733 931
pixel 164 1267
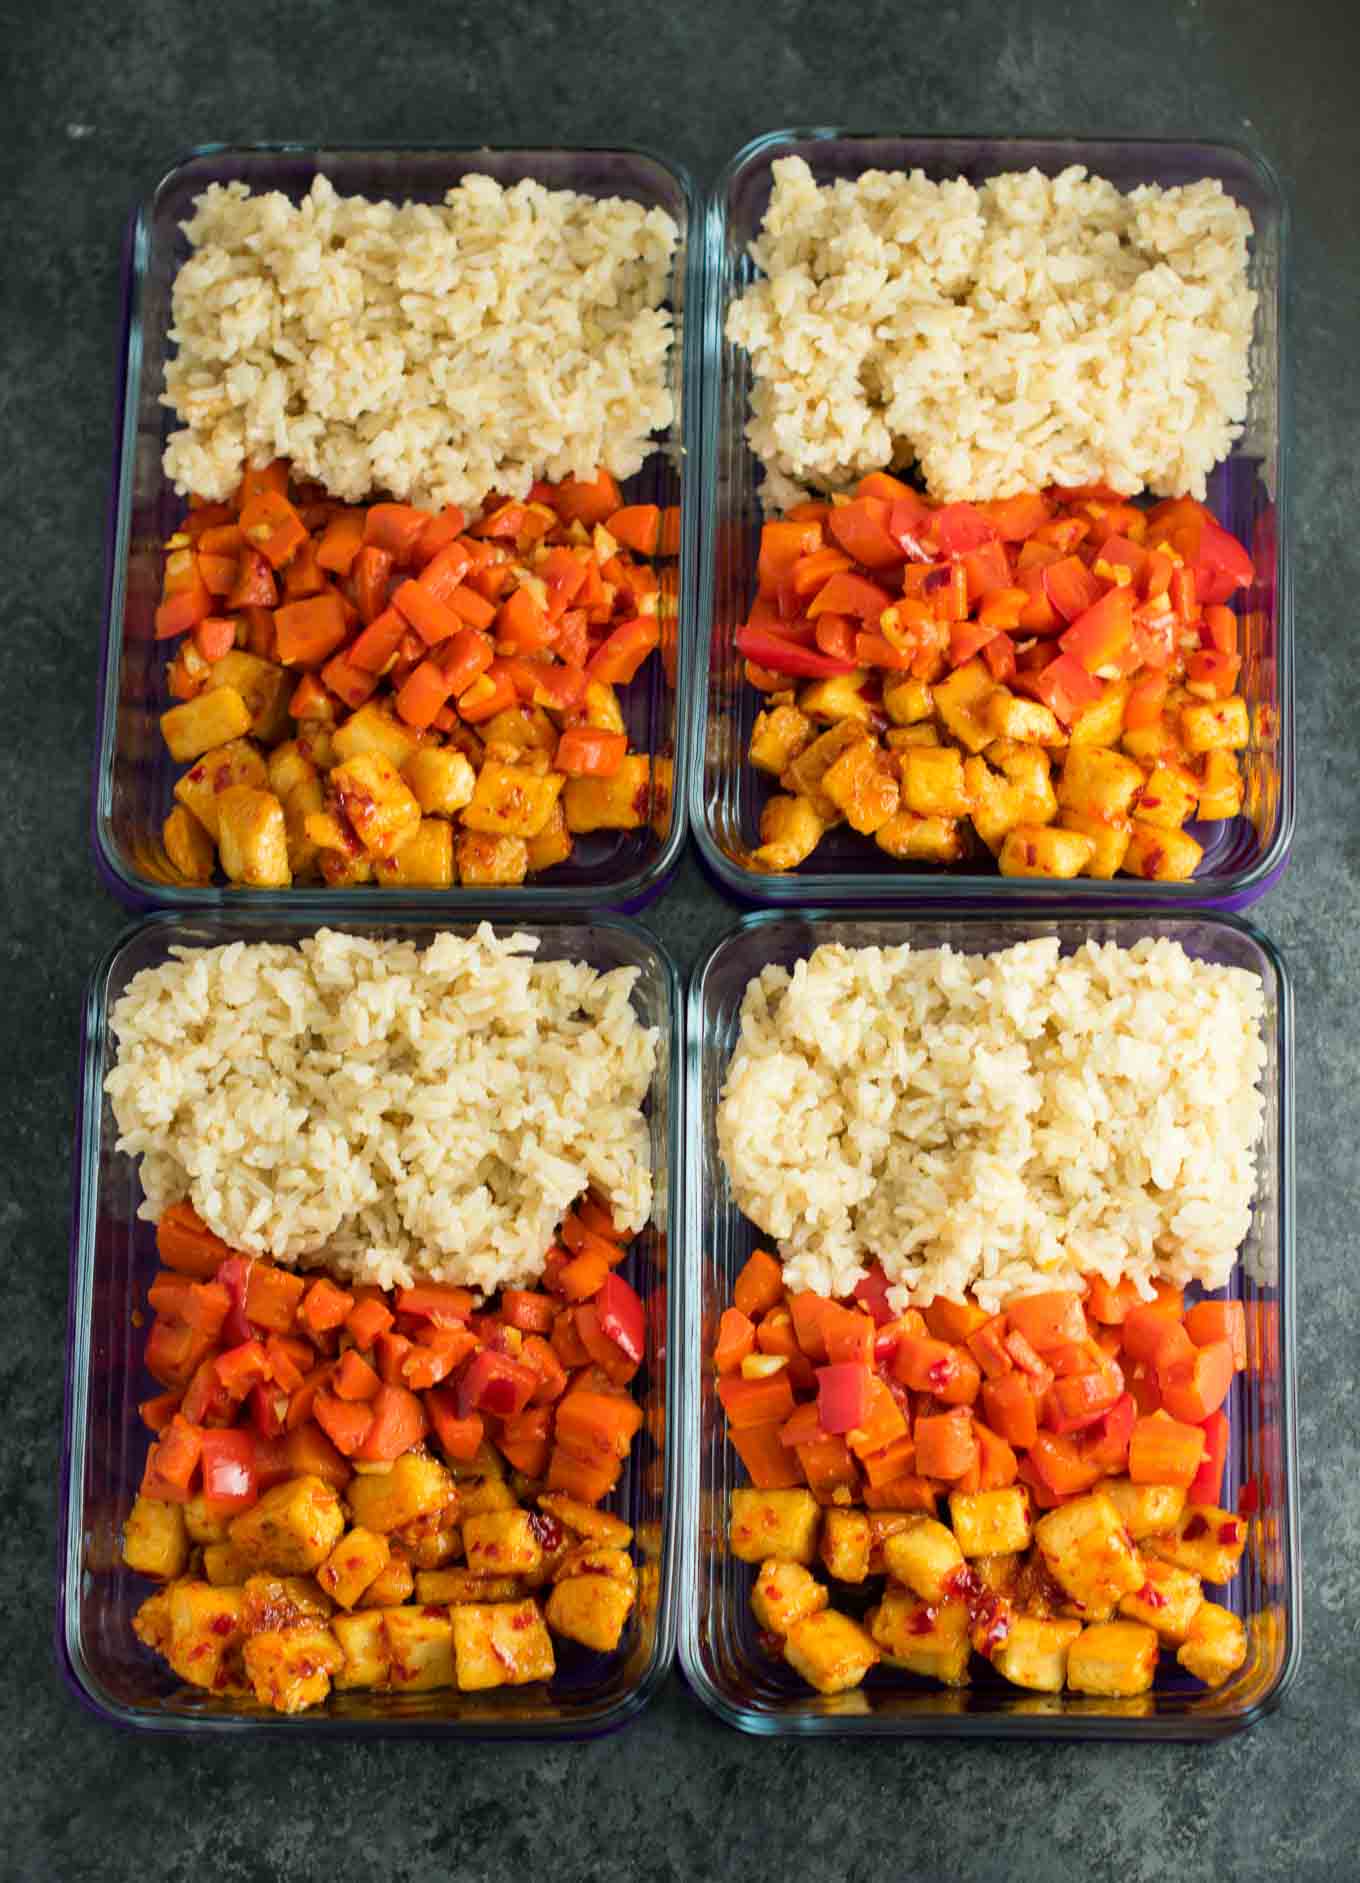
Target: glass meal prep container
pixel 134 773
pixel 113 1260
pixel 1247 493
pixel 719 1637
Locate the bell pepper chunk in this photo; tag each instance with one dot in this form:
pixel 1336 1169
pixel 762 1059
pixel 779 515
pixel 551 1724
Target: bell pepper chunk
pixel 621 1316
pixel 229 1474
pixel 844 1395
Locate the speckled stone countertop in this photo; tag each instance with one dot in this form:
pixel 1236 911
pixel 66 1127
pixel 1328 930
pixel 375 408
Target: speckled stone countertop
pixel 97 100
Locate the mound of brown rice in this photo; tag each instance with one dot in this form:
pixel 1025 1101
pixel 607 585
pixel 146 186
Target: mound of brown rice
pixel 401 1112
pixel 1035 331
pixel 434 352
pixel 997 1122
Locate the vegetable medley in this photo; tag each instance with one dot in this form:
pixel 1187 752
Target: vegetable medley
pixel 386 694
pixel 1079 1445
pixel 1053 674
pixel 393 1490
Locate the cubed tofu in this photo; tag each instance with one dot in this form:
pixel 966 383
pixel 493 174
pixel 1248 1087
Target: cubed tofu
pixel 1034 1653
pixel 432 1541
pixel 293 1528
pixel 209 719
pixel 289 766
pixel 913 839
pixel 906 738
pixel 1169 796
pixel 523 729
pixel 375 802
pixel 784 1593
pixel 591 1610
pixel 1145 1509
pixel 355 1563
pixel 1205 725
pixel 205 1633
pixel 601 708
pixel 500 1644
pixel 340 856
pixel 205 1521
pixel 306 799
pixel 1086 1550
pixel 805 774
pixel 790 830
pixel 291 1668
pixel 1109 841
pixel 1215 1645
pixel 774 1523
pixel 931 1639
pixel 1113 1659
pixel 155 1539
pixel 600 1526
pixel 933 783
pixel 1102 721
pixel 1161 856
pixel 477 1496
pixel 265 687
pixel 282 1602
pixel 224 1566
pixel 374 728
pixel 988 1522
pixel 451 1586
pixel 553 844
pixel 442 781
pixel 595 1559
pixel 1167 1601
pixel 924 1555
pixel 997 804
pixel 1044 851
pixel 316 742
pixel 419 1648
pixel 778 736
pixel 392 1585
pixel 663 795
pixel 424 861
pixel 484 860
pixel 416 1486
pixel 862 784
pixel 1030 769
pixel 1220 787
pixel 906 700
pixel 511 801
pixel 1206 1540
pixel 201 787
pixel 845 1544
pixel 997 1573
pixel 1156 745
pixel 831 1652
pixel 622 801
pixel 151 1623
pixel 1009 716
pixel 1099 781
pixel 252 838
pixel 188 846
pixel 502 1543
pixel 838 698
pixel 363 1644
pixel 961 702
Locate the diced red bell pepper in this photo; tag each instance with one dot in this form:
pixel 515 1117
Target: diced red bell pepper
pixel 960 527
pixel 1207 1485
pixel 1101 633
pixel 493 1382
pixel 844 1395
pixel 242 1367
pixel 1071 587
pixel 620 1311
pixel 862 530
pixel 439 1302
pixel 399 1422
pixel 1066 688
pixel 617 659
pixel 781 655
pixel 1106 1441
pixel 871 1291
pixel 229 1477
pixel 268 1408
pixel 234 1275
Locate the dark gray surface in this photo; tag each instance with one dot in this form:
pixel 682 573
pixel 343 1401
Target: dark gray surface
pixel 95 99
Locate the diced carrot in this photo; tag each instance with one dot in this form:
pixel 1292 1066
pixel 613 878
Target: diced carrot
pixel 552 1375
pixel 736 1339
pixel 1197 1385
pixel 1145 1329
pixel 1109 1303
pixel 399 1422
pixel 1012 1409
pixel 395 527
pixel 273 528
pixel 802 1426
pixel 848 1334
pixel 591 1422
pixel 266 480
pixel 434 1355
pixel 273 1297
pixel 289 1361
pixel 1060 1464
pixel 909 1492
pixel 185 1243
pixel 987 1344
pixel 588 501
pixel 1174 1350
pixel 593 1215
pixel 637 527
pixel 885 1424
pixel 172 1462
pixel 525 1440
pixel 472 608
pixel 389 1356
pixel 345 1422
pixel 433 620
pixel 756 1402
pixel 307 632
pixel 303 1397
pixel 893 1461
pixel 1209 1321
pixel 807 1310
pixel 604 1351
pixel 531 1313
pixel 366 1320
pixel 582 1276
pixel 584 1241
pixel 954 1320
pixel 341 542
pixel 770 1465
pixel 760 1285
pixel 945 1444
pixel 202 1305
pixel 1141 1381
pixel 566 1341
pixel 324 1306
pixel 587 1480
pixel 440 1302
pixel 950 1373
pixel 827 1465
pixel 242 1367
pixel 354 1378
pixel 459 1437
pixel 1051 1319
pixel 310 1453
pixel 1165 1451
pixel 997 1462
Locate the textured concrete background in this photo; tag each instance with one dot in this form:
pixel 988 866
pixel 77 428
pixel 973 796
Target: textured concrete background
pixel 95 99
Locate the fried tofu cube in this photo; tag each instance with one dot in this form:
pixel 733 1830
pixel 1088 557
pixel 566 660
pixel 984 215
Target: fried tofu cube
pixel 831 1652
pixel 907 701
pixel 1215 1645
pixel 451 1586
pixel 500 1644
pixel 252 838
pixel 997 804
pixel 209 719
pixel 845 1544
pixel 933 782
pixel 778 736
pixel 363 1645
pixel 1220 787
pixel 291 1668
pixel 293 1528
pixel 393 1584
pixel 430 1541
pixel 600 1526
pixel 485 860
pixel 1109 840
pixel 204 1521
pixel 961 702
pixel 1098 781
pixel 374 728
pixel 913 839
pixel 997 1573
pixel 1206 1540
pixel 205 1628
pixel 931 1639
pixel 1169 796
pixel 224 1567
pixel 375 802
pixel 986 1523
pixel 784 1593
pixel 923 1555
pixel 355 1563
pixel 1161 856
pixel 502 1543
pixel 282 1602
pixel 200 788
pixel 151 1623
pixel 840 697
pixel 591 1610
pixel 1205 725
pixel 1102 721
pixel 601 708
pixel 774 1523
pixel 1029 769
pixel 553 844
pixel 1042 850
pixel 289 766
pixel 1034 1653
pixel 264 686
pixel 1168 1601
pixel 1145 1509
pixel 862 784
pixel 526 729
pixel 416 1486
pixel 188 846
pixel 424 860
pixel 1087 1552
pixel 156 1539
pixel 805 773
pixel 620 802
pixel 511 801
pixel 1113 1659
pixel 790 830
pixel 420 1649
pixel 905 738
pixel 479 1495
pixel 442 780
pixel 1009 716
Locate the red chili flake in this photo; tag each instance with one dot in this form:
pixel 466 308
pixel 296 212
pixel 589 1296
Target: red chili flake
pixel 940 1373
pixel 547 1530
pixel 432 1612
pixel 1151 1597
pixel 1227 1532
pixel 923 1621
pixel 519 1620
pixel 1197 1527
pixel 222 1624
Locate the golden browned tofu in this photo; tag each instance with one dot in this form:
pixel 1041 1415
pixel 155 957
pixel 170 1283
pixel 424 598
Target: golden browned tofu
pixel 620 802
pixel 151 1623
pixel 451 1586
pixel 306 799
pixel 1087 1552
pixel 961 702
pixel 845 1544
pixel 784 1593
pixel 831 1652
pixel 906 700
pixel 601 708
pixel 1206 1540
pixel 264 686
pixel 200 788
pixel 990 1523
pixel 424 861
pixel 155 1539
pixel 1156 745
pixel 1206 725
pixel 511 801
pixel 1099 782
pixel 363 1644
pixel 913 839
pixel 391 1586
pixel 1167 1601
pixel 375 802
pixel 933 782
pixel 1109 840
pixel 1034 1653
pixel 205 1634
pixel 906 738
pixel 553 844
pixel 416 1486
pixel 374 728
pixel 1161 856
pixel 931 1639
pixel 223 1566
pixel 289 766
pixel 804 775
pixel 997 804
pixel 523 729
pixel 291 1668
pixel 282 1602
pixel 293 1528
pixel 1102 721
pixel 1030 769
pixel 601 1526
pixel 1215 1645
pixel 862 784
pixel 252 838
pixel 500 1644
pixel 1043 850
pixel 1220 787
pixel 1112 1658
pixel 790 830
pixel 484 860
pixel 502 1543
pixel 1009 716
pixel 188 846
pixel 431 1541
pixel 590 1609
pixel 778 736
pixel 1169 796
pixel 595 1559
pixel 355 1563
pixel 419 1648
pixel 840 697
pixel 924 1555
pixel 1145 1509
pixel 774 1523
pixel 208 720
pixel 441 780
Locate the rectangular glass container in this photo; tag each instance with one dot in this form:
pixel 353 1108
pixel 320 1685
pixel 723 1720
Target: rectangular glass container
pixel 1248 493
pixel 113 1260
pixel 719 1641
pixel 134 773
